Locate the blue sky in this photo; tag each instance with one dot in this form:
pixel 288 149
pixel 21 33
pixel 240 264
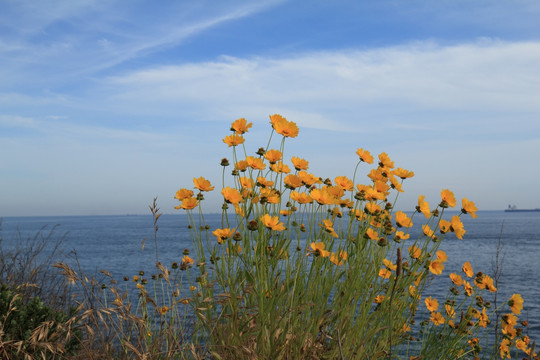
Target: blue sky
pixel 107 104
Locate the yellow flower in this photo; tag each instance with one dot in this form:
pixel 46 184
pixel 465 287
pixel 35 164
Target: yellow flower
pixel 444 226
pixel 183 194
pixel 516 303
pixel 450 310
pixel 223 234
pixel 468 207
pixel 504 348
pixel 301 198
pixel 389 264
pixel 273 156
pixel 192 288
pixel 436 318
pixel 246 183
pixel 414 251
pixel 467 269
pixel 402 173
pixel 395 183
pixel 255 163
pixel 385 273
pixel 328 226
pixel 322 196
pixel 400 235
pixel 339 259
pixel 436 267
pixel 431 304
pixel 385 162
pixel 441 256
pixel 280 168
pixel 427 231
pixel 188 204
pixel 202 184
pixel 271 195
pixel 448 199
pixel 292 181
pixel 299 164
pixel 233 140
pixel 187 260
pixel 372 234
pixel 318 249
pixel 378 299
pixel 344 183
pixel 457 227
pixel 468 288
pixel 272 222
pixel 240 126
pixel 261 181
pixel 308 179
pixel 283 126
pixel 423 206
pixel 456 279
pixel 364 156
pixel 372 208
pixel 163 310
pixel 231 195
pixel 241 165
pixel 402 220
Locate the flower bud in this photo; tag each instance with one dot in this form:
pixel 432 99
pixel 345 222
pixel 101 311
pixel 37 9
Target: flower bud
pixel 224 162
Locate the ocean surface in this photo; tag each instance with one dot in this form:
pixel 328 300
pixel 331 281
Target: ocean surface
pixel 115 243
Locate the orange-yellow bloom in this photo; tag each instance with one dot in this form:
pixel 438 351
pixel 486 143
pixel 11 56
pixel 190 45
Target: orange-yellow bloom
pixel 364 156
pixel 299 164
pixel 444 226
pixel 283 126
pixel 322 196
pixel 467 269
pixel 231 195
pixel 457 227
pixel 385 273
pixel 431 304
pixel 400 235
pixel 183 194
pixel 441 256
pixel 423 206
pixel 436 318
pixel 292 181
pixel 301 198
pixel 233 140
pixel 163 310
pixel 188 204
pixel 415 252
pixel 272 222
pixel 261 181
pixel 456 279
pixel 372 208
pixel 318 249
pixel 436 267
pixel 344 182
pixel 255 163
pixel 402 220
pixel 448 198
pixel 339 259
pixel 246 183
pixel 389 264
pixel 385 162
pixel 223 234
pixel 372 234
pixel 516 303
pixel 273 156
pixel 280 168
pixel 468 207
pixel 308 179
pixel 241 165
pixel 202 184
pixel 378 299
pixel 329 227
pixel 427 231
pixel 240 126
pixel 402 173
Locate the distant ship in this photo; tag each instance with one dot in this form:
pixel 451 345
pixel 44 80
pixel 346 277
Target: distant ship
pixel 513 208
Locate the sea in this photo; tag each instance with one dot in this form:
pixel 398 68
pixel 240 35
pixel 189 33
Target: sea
pixel 126 245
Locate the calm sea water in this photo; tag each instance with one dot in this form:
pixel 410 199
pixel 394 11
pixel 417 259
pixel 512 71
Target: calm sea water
pixel 115 243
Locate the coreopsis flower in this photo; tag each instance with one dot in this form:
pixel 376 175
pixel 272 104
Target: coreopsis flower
pixel 372 194
pixel 436 267
pixel 441 256
pixel 188 204
pixel 240 126
pixel 378 299
pixel 308 179
pixel 504 348
pixel 183 194
pixel 377 175
pixel 261 181
pixel 402 173
pixel 423 206
pixel 273 156
pixel 402 220
pixel 301 198
pixel 329 227
pixel 427 231
pixel 372 234
pixel 318 249
pixel 223 234
pixel 272 222
pixel 280 168
pixel 339 259
pixel 487 283
pixel 293 181
pixel 468 288
pixel 436 318
pixel 283 127
pixel 241 165
pixel 385 162
pixel 389 264
pixel 467 269
pixel 187 260
pixel 457 227
pixel 413 291
pixel 431 304
pixel 231 195
pixel 299 164
pixel 516 303
pixel 468 207
pixel 372 208
pixel 448 199
pixel 202 184
pixel 255 163
pixel 444 226
pixel 414 252
pixel 456 279
pixel 385 273
pixel 163 310
pixel 233 140
pixel 400 235
pixel 246 183
pixel 364 155
pixel 395 184
pixel 322 196
pixel 344 182
pixel 271 195
pixel 450 311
